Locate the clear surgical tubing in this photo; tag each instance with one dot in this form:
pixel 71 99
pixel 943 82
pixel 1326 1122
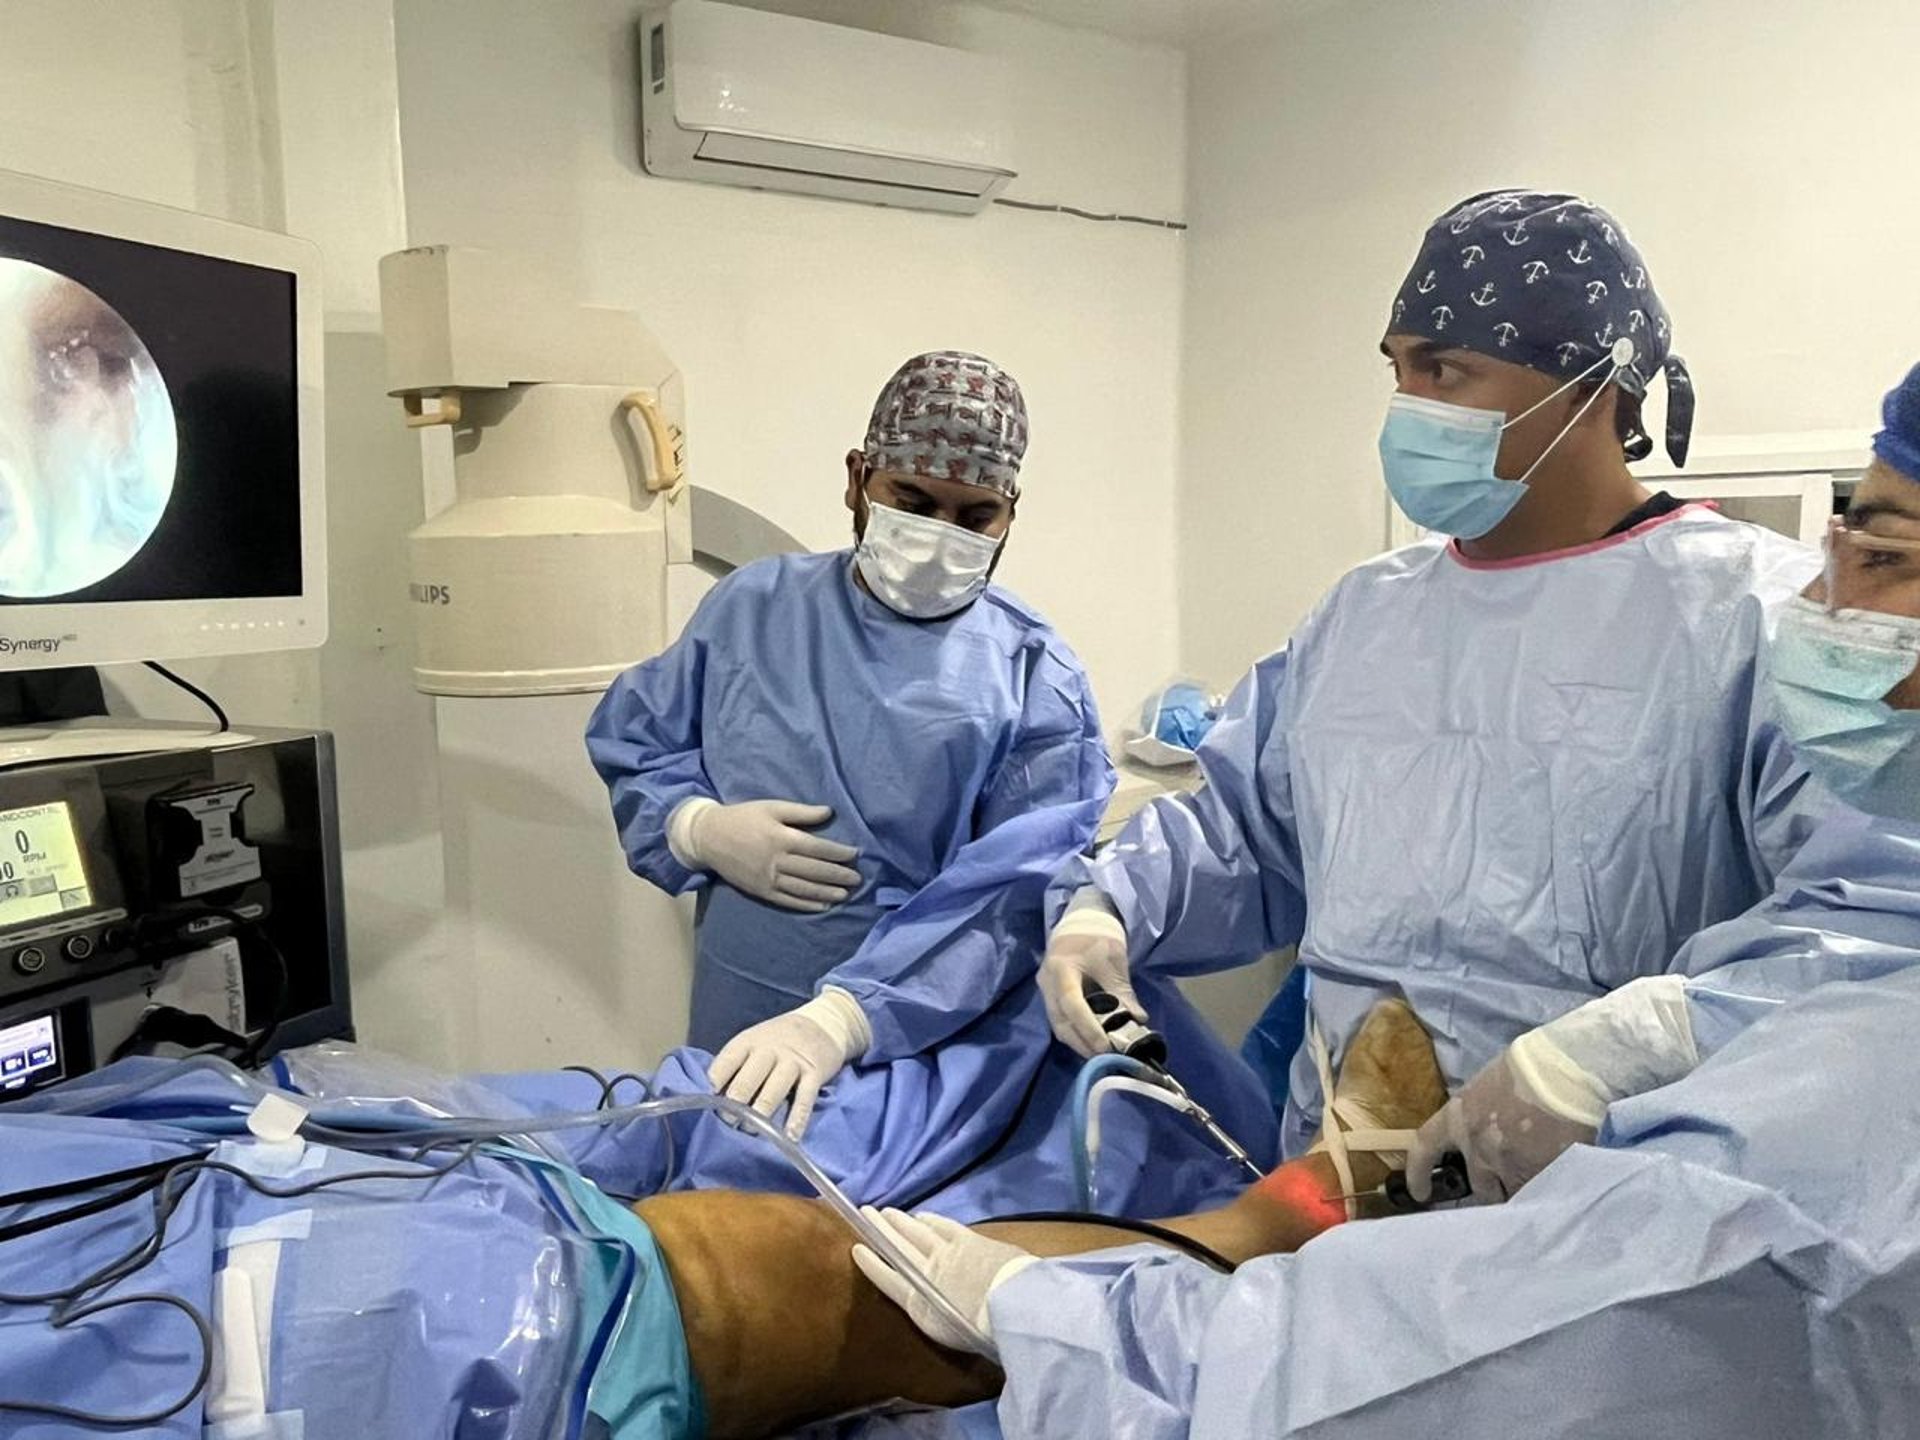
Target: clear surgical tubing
pixel 1099 1074
pixel 343 1126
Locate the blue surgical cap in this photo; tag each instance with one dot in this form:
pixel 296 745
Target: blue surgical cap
pixel 1898 442
pixel 1550 282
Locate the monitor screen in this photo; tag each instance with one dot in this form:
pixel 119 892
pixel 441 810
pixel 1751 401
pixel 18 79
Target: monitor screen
pixel 29 1053
pixel 41 872
pixel 161 474
pixel 148 440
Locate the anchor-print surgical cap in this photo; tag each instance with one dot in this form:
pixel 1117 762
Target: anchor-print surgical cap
pixel 1550 282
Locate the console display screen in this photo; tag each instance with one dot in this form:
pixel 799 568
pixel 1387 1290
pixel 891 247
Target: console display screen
pixel 41 872
pixel 29 1053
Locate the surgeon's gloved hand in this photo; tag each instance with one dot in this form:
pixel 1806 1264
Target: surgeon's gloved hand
pixel 963 1265
pixel 1089 945
pixel 787 1059
pixel 1550 1089
pixel 1505 1132
pixel 762 849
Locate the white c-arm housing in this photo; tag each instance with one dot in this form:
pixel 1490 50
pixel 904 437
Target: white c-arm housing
pixel 548 572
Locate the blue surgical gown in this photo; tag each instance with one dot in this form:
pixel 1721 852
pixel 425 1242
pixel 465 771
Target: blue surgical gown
pixel 1739 1257
pixel 1498 789
pixel 961 757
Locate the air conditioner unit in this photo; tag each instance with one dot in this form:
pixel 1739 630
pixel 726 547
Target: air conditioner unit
pixel 742 97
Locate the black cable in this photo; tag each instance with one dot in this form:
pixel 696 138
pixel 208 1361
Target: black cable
pixel 606 1086
pixel 69 1305
pixel 193 690
pixel 1203 1253
pixel 76 1314
pixel 249 1057
pixel 613 1087
pixel 169 1025
pixel 20 1229
pixel 672 1160
pixel 282 1002
pixel 607 1089
pixel 1108 219
pixel 83 1183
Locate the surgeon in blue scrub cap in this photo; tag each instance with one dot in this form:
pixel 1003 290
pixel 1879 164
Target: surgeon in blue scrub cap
pixel 1843 668
pixel 867 762
pixel 1515 765
pixel 1734 1252
pixel 1846 659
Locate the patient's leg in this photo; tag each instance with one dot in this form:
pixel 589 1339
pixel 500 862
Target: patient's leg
pixel 781 1328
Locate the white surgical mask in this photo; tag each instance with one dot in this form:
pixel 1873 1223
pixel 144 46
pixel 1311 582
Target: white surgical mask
pixel 921 567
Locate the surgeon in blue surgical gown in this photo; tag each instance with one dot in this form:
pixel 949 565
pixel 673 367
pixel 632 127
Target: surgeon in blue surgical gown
pixel 1738 1252
pixel 1511 767
pixel 866 761
pixel 1844 667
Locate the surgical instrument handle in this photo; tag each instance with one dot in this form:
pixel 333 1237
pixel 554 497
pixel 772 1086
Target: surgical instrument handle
pixel 1127 1036
pixel 1450 1183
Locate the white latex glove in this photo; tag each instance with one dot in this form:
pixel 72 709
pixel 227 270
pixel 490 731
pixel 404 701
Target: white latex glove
pixel 788 1058
pixel 964 1266
pixel 1089 944
pixel 762 848
pixel 1551 1088
pixel 1504 1132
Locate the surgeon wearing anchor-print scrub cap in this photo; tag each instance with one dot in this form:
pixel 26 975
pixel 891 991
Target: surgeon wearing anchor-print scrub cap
pixel 1507 768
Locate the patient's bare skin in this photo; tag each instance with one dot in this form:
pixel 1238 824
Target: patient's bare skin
pixel 781 1328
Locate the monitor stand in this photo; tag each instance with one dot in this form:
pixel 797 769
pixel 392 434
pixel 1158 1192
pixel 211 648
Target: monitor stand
pixel 101 735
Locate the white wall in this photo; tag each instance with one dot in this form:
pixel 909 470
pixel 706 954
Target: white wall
pixel 520 125
pixel 1759 152
pixel 281 114
pixel 785 313
pixel 334 118
pixel 158 102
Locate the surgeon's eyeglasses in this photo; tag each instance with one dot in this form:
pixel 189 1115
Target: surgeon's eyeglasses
pixel 1853 554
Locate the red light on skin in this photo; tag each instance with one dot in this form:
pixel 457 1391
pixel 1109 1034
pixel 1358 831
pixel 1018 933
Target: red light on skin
pixel 1296 1188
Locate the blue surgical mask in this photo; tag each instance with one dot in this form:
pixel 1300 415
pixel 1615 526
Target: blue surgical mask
pixel 1181 715
pixel 1831 673
pixel 1439 457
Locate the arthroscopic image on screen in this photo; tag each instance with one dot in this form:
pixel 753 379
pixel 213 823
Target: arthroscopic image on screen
pixel 149 440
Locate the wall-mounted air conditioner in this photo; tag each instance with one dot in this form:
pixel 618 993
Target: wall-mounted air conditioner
pixel 743 97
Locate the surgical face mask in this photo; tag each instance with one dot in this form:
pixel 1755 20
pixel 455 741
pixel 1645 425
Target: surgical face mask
pixel 1830 674
pixel 1439 457
pixel 921 567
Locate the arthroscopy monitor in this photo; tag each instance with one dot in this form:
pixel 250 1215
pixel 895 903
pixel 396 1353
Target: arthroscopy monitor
pixel 160 433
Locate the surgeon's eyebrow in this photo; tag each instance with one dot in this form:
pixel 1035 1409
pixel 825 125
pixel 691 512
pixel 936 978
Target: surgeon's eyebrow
pixel 907 490
pixel 1863 513
pixel 1424 354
